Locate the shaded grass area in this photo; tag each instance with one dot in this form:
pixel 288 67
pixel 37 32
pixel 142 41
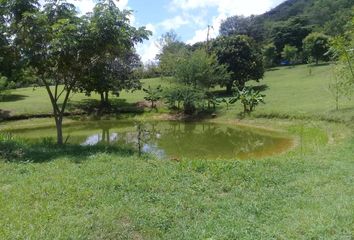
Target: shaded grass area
pixel 19 151
pixel 114 195
pixel 35 101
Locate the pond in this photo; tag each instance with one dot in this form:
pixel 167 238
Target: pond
pixel 172 140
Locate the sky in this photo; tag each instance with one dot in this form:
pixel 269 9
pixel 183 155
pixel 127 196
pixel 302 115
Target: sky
pixel 188 18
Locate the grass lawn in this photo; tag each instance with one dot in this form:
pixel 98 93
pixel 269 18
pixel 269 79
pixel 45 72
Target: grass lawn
pixel 291 93
pixel 99 192
pixel 32 101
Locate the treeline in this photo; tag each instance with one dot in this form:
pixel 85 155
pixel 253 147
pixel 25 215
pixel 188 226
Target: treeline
pixel 296 31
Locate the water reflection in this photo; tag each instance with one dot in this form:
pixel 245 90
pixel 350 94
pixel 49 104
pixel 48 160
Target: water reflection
pixel 202 140
pixel 176 139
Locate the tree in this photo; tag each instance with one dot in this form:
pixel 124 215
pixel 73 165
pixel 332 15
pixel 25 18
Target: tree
pixel 50 41
pixel 112 54
pixel 316 45
pixel 243 59
pixel 342 48
pixel 3 86
pixel 200 69
pixel 269 55
pixel 289 54
pixel 240 25
pixel 342 51
pixel 59 47
pixel 171 51
pixel 291 32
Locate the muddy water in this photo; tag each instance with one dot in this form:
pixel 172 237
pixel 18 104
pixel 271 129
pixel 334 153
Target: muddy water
pixel 175 140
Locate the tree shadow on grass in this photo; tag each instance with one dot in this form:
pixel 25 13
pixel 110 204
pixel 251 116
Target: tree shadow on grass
pixel 93 106
pixel 22 152
pixel 272 69
pixel 320 64
pixel 261 88
pixel 222 94
pixel 4 114
pixel 12 97
pixel 225 94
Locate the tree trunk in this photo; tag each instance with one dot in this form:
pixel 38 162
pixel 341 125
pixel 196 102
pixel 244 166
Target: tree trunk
pixel 229 88
pixel 106 98
pixel 59 126
pixel 102 99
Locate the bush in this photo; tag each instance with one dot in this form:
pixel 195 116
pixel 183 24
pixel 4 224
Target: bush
pixel 191 99
pixel 9 148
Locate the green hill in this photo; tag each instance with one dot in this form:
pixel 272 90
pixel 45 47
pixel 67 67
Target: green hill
pixel 329 16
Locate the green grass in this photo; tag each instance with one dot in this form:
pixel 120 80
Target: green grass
pixel 291 93
pixel 34 101
pixel 97 193
pixel 294 93
pixel 78 192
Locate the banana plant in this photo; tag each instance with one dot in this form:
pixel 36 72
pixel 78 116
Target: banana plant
pixel 153 95
pixel 248 97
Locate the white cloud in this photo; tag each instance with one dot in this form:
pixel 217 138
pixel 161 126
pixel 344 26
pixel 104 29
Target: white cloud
pixel 201 34
pixel 228 7
pixel 174 23
pixel 225 8
pixel 148 50
pixel 85 6
pixel 151 27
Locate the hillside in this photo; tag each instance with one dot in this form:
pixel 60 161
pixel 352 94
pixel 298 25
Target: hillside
pixel 329 16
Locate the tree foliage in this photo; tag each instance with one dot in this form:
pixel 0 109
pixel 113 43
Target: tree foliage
pixel 243 59
pixel 343 51
pixel 240 25
pixel 112 57
pixel 289 54
pixel 200 69
pixel 171 51
pixel 60 47
pixel 269 55
pixel 316 45
pixel 153 95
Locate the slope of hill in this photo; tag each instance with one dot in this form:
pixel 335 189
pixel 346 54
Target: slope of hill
pixel 329 16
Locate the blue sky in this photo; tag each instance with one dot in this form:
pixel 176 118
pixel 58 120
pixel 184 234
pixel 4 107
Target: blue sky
pixel 188 18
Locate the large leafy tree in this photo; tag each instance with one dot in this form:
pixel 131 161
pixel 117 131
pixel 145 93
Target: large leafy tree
pixel 316 45
pixel 112 55
pixel 171 50
pixel 240 25
pixel 242 57
pixel 49 40
pixel 11 14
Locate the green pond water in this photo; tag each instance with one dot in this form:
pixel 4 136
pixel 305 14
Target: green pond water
pixel 172 140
